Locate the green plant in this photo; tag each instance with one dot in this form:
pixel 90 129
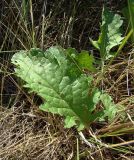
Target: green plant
pixel 128 12
pixel 57 77
pixel 110 35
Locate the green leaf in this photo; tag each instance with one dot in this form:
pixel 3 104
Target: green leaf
pixel 94 98
pixel 48 75
pixel 110 33
pixel 95 44
pixel 55 77
pixel 85 61
pixel 110 109
pixel 128 12
pixel 82 59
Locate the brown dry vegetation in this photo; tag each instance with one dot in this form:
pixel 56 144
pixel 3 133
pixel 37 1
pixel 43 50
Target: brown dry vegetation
pixel 26 133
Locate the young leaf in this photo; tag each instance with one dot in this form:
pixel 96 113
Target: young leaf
pixel 110 33
pixel 83 59
pixel 86 61
pixel 48 74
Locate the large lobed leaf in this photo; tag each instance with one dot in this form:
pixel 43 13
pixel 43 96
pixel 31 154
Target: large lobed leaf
pixel 110 33
pixel 66 91
pixel 50 76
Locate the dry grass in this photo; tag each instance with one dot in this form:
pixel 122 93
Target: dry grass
pixel 27 133
pixel 30 136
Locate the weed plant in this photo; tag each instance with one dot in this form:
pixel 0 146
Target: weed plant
pixel 103 78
